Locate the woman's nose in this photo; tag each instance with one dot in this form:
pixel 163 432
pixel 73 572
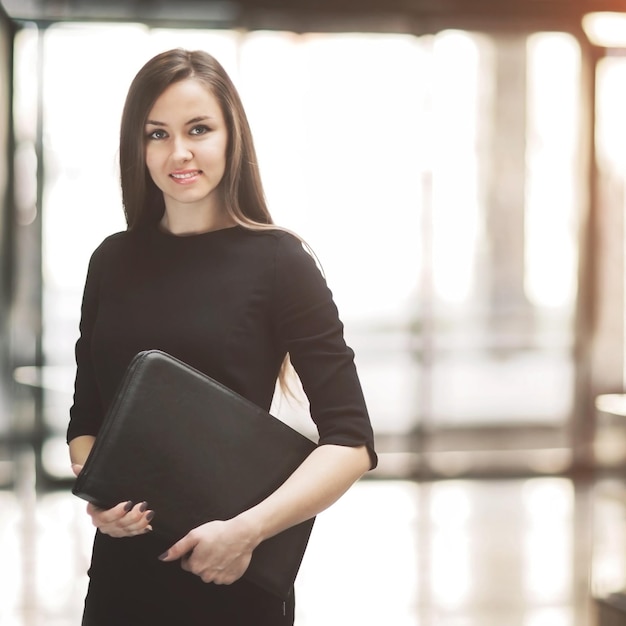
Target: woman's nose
pixel 182 151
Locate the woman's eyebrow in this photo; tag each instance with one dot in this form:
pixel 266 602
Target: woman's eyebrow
pixel 200 118
pixel 194 120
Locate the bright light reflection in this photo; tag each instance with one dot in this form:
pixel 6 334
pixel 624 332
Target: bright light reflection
pixel 550 218
pixel 609 565
pixel 372 530
pixel 547 571
pixel 455 112
pixel 548 542
pixel 550 617
pixel 450 504
pixel 339 141
pixel 548 500
pixel 12 545
pixel 62 551
pixel 450 568
pixel 449 512
pixel 606 29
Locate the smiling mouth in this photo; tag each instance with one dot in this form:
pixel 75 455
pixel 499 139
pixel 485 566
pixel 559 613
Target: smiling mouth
pixel 186 175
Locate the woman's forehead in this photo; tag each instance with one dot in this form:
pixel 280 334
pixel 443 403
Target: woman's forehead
pixel 184 97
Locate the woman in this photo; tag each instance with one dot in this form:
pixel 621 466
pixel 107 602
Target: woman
pixel 203 274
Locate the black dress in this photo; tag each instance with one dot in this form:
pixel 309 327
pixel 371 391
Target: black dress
pixel 231 303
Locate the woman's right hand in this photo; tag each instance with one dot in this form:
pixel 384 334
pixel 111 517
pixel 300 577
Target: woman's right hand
pixel 123 520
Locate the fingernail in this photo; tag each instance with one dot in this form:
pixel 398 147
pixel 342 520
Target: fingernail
pixel 162 556
pixel 147 529
pixel 149 515
pixel 128 506
pixel 143 507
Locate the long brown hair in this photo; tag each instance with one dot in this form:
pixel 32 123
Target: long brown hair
pixel 242 189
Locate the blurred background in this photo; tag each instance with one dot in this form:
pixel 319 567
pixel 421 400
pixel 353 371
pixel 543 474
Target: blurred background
pixel 459 168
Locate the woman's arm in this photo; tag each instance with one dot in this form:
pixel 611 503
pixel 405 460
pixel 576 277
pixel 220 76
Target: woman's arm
pixel 220 551
pixel 320 481
pixel 80 447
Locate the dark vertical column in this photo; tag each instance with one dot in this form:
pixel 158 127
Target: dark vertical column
pixel 592 311
pixel 6 213
pixel 26 307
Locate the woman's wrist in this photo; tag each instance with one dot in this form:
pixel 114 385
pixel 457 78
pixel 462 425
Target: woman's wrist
pixel 251 526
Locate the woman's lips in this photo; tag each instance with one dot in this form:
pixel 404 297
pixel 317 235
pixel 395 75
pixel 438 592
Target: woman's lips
pixel 186 176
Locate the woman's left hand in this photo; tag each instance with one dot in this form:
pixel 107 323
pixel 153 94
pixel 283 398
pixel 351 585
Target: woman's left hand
pixel 218 552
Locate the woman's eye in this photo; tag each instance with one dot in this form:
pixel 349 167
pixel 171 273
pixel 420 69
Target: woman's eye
pixel 157 134
pixel 199 130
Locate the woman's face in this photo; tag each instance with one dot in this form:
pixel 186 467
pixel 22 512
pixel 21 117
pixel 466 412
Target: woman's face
pixel 186 142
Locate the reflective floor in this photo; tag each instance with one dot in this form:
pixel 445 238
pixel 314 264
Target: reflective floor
pixel 446 553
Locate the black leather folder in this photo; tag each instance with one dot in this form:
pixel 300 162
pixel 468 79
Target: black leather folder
pixel 196 452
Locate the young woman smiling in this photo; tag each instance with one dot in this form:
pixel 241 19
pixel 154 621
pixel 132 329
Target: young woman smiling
pixel 204 274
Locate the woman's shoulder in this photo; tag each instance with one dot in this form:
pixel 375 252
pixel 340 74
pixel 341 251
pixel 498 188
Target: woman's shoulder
pixel 277 243
pixel 268 233
pixel 112 244
pixel 114 239
pixel 279 237
pixel 293 258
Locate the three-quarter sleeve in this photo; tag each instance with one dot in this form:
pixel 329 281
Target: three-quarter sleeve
pixel 309 326
pixel 86 412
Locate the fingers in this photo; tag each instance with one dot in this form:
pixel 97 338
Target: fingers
pixel 123 520
pixel 219 572
pixel 180 549
pixel 213 552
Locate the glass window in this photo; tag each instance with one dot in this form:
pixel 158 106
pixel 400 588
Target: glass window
pixel 433 176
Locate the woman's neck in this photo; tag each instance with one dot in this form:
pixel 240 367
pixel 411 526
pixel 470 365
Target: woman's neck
pixel 193 222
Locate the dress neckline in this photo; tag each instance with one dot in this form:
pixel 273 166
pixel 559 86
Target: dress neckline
pixel 166 234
